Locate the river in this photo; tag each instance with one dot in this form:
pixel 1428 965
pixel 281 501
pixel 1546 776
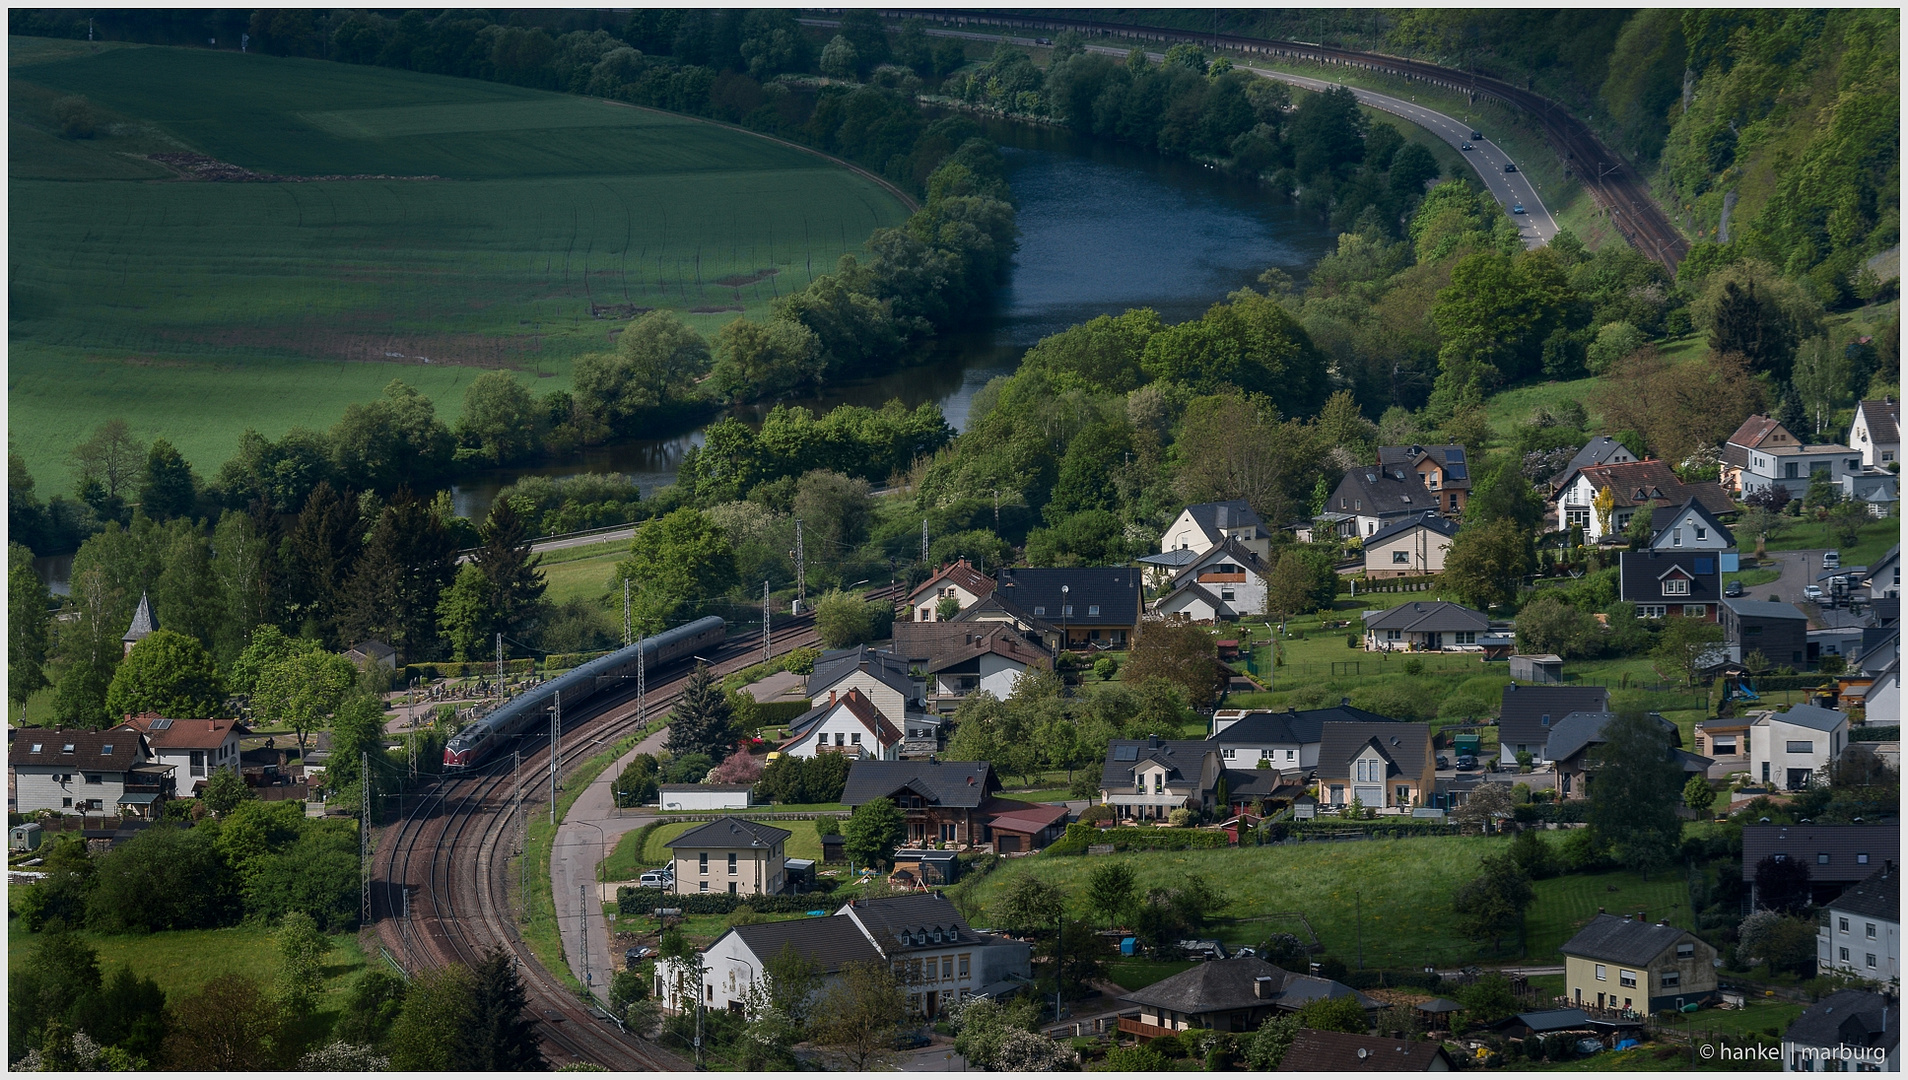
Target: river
pixel 1103 227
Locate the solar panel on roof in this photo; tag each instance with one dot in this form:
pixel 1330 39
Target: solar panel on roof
pixel 1455 453
pixel 160 725
pixel 1704 565
pixel 1126 753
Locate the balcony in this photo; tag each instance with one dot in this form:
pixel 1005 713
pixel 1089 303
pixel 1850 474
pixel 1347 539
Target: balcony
pixel 1130 1026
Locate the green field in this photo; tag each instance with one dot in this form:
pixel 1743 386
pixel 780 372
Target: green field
pixel 195 309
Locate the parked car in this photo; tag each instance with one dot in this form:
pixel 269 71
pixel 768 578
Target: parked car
pixel 1466 762
pixel 1831 560
pixel 910 1040
pixel 1508 167
pixel 1467 146
pixel 657 879
pixel 1734 588
pixel 1444 761
pixel 1517 208
pixel 1811 592
pixel 632 957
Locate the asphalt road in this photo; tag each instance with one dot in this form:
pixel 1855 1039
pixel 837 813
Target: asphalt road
pixel 1536 225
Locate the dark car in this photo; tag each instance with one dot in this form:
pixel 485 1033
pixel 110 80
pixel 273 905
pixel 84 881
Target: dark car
pixel 1466 762
pixel 910 1040
pixel 1734 588
pixel 1517 208
pixel 1443 762
pixel 1477 134
pixel 632 957
pixel 1467 146
pixel 1508 167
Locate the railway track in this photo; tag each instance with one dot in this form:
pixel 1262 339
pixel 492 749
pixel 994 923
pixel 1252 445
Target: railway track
pixel 441 893
pixel 1612 182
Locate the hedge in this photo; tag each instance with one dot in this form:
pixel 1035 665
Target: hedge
pixel 631 900
pixel 1788 682
pixel 779 712
pixel 1079 837
pixel 1374 978
pixel 1875 733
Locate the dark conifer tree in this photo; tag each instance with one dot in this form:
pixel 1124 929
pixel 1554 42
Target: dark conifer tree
pixel 516 585
pixel 496 1033
pixel 702 722
pixel 319 554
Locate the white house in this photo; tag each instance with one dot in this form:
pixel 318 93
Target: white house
pixel 1786 748
pixel 883 678
pixel 1795 467
pixel 1370 497
pixel 195 748
pixel 1631 485
pixel 1225 582
pixel 991 661
pixel 1204 526
pixel 1876 487
pixel 1691 527
pixel 1283 740
pixel 1847 1031
pixel 704 796
pixel 1427 626
pixel 1602 450
pixel 1876 432
pixel 1410 547
pixel 939 958
pixel 85 772
pixel 957 581
pixel 1860 933
pixel 1884 575
pixel 1757 432
pixel 848 723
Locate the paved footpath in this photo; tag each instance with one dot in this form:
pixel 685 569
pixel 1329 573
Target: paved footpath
pixel 588 833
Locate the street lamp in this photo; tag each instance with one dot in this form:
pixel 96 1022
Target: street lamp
pixel 1065 610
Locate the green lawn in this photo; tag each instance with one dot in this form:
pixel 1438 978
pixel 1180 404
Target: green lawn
pixel 626 864
pixel 1133 974
pixel 1756 1019
pixel 585 578
pixel 1876 538
pixel 1564 904
pixel 196 309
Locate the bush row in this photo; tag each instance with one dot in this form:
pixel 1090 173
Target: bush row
pixel 1875 733
pixel 1079 837
pixel 635 901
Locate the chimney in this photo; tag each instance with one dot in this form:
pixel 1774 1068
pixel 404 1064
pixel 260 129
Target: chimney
pixel 1642 916
pixel 1344 703
pixel 1262 987
pixel 831 697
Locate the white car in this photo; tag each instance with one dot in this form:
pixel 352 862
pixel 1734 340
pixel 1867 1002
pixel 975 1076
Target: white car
pixel 657 879
pixel 1812 592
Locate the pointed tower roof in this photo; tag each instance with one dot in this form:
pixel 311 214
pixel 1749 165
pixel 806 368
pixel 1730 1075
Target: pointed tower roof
pixel 144 621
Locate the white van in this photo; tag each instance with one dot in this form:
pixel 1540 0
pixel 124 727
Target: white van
pixel 1831 560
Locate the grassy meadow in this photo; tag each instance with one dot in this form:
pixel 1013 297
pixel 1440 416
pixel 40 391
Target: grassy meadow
pixel 195 309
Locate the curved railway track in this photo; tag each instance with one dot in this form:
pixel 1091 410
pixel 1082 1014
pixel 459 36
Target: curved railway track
pixel 1611 180
pixel 440 891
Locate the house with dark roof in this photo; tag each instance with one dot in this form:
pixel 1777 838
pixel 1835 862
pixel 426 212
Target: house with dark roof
pixel 1631 486
pixel 86 772
pixel 1443 470
pixel 1150 778
pixel 1092 607
pixel 1691 527
pixel 882 677
pixel 1859 934
pixel 1286 740
pixel 990 660
pixel 1779 631
pixel 1528 713
pixel 1878 488
pixel 1204 526
pixel 945 802
pixel 1380 765
pixel 1574 743
pixel 731 855
pixel 958 581
pixel 1883 577
pixel 195 748
pixel 1876 432
pixel 732 963
pixel 1755 433
pixel 144 622
pixel 1028 827
pixel 1227 995
pixel 1665 584
pixel 1602 450
pixel 1426 626
pixel 1630 963
pixel 1314 1051
pixel 372 652
pixel 1410 547
pixel 847 723
pixel 1224 583
pixel 1847 1031
pixel 1370 497
pixel 1786 748
pixel 1838 856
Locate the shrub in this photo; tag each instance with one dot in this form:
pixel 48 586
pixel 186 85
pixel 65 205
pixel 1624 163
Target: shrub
pixel 75 117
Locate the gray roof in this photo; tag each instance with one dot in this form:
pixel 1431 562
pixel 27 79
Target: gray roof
pixel 1232 514
pixel 945 783
pixel 1595 452
pixel 730 833
pixel 1555 1019
pixel 912 921
pixel 1696 507
pixel 1763 609
pixel 1451 456
pixel 1877 897
pixel 1580 729
pixel 830 941
pixel 1173 559
pixel 1813 716
pixel 144 621
pixel 1843 844
pixel 1422 616
pixel 1183 757
pixel 1115 591
pixel 1641 573
pixel 1225 985
pixel 832 667
pixel 1623 941
pixel 1848 1018
pixel 1292 726
pixel 1381 491
pixel 1884 420
pixel 1406 745
pixel 1525 708
pixel 1228 548
pixel 1430 519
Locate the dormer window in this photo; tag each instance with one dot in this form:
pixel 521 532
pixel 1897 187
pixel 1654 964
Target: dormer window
pixel 35 750
pixel 1093 610
pixel 106 750
pixel 67 749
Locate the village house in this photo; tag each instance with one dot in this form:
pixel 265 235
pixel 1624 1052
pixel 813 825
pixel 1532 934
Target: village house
pixel 1666 584
pixel 1426 626
pixel 1692 527
pixel 1628 963
pixel 1574 740
pixel 1204 526
pixel 1876 432
pixel 1835 1030
pixel 1442 470
pixel 1779 631
pixel 1876 488
pixel 1370 497
pixel 1528 714
pixel 85 772
pixel 847 723
pixel 883 678
pixel 1630 487
pixel 1602 450
pixel 962 658
pixel 1838 856
pixel 1315 1052
pixel 1786 748
pixel 1090 607
pixel 1860 930
pixel 1027 828
pixel 939 958
pixel 1883 576
pixel 733 856
pixel 1235 995
pixel 1150 778
pixel 1409 547
pixel 372 652
pixel 943 802
pixel 196 748
pixel 1379 765
pixel 1225 583
pixel 1762 454
pixel 1725 742
pixel 958 581
pixel 1872 683
pixel 1757 433
pixel 1286 740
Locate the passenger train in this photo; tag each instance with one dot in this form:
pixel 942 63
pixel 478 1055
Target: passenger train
pixel 616 671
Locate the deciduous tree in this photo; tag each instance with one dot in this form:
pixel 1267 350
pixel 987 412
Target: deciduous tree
pixel 872 833
pixel 1487 563
pixel 170 674
pixel 27 625
pixel 1493 903
pixel 856 1022
pixel 1685 648
pixel 1111 889
pixel 1184 655
pixel 301 690
pixel 676 562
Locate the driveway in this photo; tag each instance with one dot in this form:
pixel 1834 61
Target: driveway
pixel 1799 569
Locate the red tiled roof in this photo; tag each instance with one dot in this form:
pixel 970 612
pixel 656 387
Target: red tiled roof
pixel 1335 1051
pixel 959 572
pixel 1638 482
pixel 1035 817
pixel 166 734
pixel 1754 430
